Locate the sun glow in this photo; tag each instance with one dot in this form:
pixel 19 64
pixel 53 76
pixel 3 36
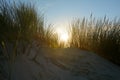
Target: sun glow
pixel 63 36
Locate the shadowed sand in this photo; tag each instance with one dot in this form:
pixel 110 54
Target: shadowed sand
pixel 63 64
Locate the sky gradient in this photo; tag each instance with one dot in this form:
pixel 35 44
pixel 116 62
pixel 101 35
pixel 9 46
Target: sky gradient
pixel 60 11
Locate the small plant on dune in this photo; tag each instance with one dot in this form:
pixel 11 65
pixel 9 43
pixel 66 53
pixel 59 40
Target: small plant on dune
pixel 50 36
pixel 101 36
pixel 19 25
pixel 109 39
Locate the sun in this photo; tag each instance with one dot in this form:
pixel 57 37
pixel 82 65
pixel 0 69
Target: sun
pixel 63 36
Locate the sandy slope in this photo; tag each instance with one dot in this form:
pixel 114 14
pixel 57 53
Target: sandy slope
pixel 63 64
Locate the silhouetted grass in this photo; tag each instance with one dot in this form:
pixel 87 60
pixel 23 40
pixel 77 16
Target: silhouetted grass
pixel 98 35
pixel 20 26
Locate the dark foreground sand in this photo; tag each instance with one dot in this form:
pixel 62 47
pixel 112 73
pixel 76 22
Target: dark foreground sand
pixel 63 64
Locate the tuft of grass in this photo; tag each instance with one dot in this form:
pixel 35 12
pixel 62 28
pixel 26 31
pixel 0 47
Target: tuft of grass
pixel 98 35
pixel 20 27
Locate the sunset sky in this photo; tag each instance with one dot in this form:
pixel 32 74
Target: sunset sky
pixel 61 11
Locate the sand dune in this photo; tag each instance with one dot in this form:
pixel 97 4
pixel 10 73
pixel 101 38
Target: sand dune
pixel 63 64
